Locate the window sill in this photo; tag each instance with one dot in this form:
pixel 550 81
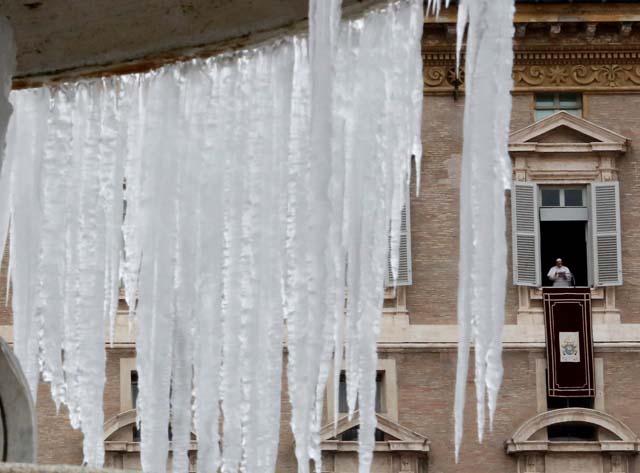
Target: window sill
pixel 597 293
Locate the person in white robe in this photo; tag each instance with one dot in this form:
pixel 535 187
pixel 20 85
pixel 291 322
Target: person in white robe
pixel 560 275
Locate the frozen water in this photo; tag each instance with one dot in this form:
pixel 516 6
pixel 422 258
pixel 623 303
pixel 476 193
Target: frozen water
pixel 293 156
pixel 486 174
pixel 258 193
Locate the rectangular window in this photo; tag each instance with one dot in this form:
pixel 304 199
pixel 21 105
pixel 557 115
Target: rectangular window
pixel 562 196
pixel 578 224
pixel 548 104
pixel 343 407
pixel 134 388
pixel 564 233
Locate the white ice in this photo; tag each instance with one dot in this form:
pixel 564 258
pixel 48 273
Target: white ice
pixel 257 194
pixel 486 174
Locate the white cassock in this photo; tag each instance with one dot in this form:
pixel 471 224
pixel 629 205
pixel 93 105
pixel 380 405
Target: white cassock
pixel 561 276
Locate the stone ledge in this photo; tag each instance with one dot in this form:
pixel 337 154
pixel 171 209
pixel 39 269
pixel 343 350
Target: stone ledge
pixel 31 468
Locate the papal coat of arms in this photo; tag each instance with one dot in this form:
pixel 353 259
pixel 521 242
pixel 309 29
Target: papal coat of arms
pixel 569 347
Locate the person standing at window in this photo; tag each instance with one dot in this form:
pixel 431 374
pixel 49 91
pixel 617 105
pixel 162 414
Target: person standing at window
pixel 560 275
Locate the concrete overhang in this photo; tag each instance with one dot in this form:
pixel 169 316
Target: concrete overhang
pixel 56 37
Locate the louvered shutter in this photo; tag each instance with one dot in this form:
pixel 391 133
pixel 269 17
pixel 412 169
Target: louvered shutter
pixel 605 212
pixel 404 261
pixel 526 234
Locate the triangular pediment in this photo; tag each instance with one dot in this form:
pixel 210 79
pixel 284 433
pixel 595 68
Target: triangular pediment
pixel 401 437
pixel 566 133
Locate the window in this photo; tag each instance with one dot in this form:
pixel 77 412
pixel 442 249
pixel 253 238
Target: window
pixel 562 197
pixel 580 224
pixel 572 432
pixel 343 407
pixel 134 402
pixel 134 388
pixel 351 435
pixel 564 229
pixel 548 104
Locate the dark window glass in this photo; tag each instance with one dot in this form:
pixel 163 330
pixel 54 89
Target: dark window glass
pixel 342 393
pixel 564 402
pixel 568 101
pixel 550 197
pixel 573 198
pixel 134 388
pixel 351 435
pixel 545 101
pixel 572 431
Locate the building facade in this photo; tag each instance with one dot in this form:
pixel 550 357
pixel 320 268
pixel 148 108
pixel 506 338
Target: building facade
pixel 576 195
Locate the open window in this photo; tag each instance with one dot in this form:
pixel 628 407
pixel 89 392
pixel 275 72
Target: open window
pixel 580 224
pixel 564 232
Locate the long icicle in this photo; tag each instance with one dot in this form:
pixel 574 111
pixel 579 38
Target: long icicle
pixel 485 176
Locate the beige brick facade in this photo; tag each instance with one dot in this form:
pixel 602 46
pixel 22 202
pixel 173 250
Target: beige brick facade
pixel 576 57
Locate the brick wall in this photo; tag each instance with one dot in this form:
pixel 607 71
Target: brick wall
pixel 619 113
pixel 435 212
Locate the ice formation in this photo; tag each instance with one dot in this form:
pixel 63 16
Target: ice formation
pixel 256 195
pixel 486 174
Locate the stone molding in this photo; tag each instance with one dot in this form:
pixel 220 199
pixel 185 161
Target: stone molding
pixel 406 439
pixel 522 439
pixel 29 468
pixel 598 70
pixel 123 420
pixel 390 388
pixel 601 139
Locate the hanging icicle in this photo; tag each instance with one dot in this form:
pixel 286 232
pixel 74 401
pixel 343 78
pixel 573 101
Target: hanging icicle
pixel 254 188
pixel 311 324
pixel 486 174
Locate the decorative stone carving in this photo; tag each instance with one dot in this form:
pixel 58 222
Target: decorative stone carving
pixel 618 464
pixel 406 464
pixel 566 70
pixel 533 464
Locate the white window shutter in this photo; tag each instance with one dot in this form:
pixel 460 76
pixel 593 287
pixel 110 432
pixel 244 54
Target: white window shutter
pixel 526 234
pixel 404 254
pixel 605 212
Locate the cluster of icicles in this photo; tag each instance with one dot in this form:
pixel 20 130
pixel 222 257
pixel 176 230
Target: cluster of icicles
pixel 253 192
pixel 257 189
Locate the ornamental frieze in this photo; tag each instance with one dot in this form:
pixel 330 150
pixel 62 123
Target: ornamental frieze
pixel 612 71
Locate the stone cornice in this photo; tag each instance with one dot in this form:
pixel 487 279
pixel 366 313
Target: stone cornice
pixel 602 70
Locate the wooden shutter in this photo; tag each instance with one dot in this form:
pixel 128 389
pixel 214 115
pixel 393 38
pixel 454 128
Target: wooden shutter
pixel 526 234
pixel 605 212
pixel 404 261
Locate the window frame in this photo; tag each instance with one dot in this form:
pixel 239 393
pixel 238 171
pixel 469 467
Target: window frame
pixel 556 107
pixel 388 398
pixel 587 213
pixel 127 365
pixel 562 196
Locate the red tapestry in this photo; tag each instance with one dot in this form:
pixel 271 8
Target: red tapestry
pixel 567 315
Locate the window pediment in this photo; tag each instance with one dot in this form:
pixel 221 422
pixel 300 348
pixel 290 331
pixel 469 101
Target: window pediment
pixel 399 438
pixel 620 437
pixel 566 133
